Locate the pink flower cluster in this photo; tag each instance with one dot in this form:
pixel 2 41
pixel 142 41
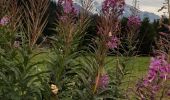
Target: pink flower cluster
pixel 159 71
pixel 67 6
pixel 104 81
pixel 113 42
pixel 163 34
pixel 4 21
pixel 134 22
pixel 159 68
pixel 113 6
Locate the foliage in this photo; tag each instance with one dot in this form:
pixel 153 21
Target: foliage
pixel 147 37
pixel 156 83
pixel 63 64
pixel 21 77
pixel 75 67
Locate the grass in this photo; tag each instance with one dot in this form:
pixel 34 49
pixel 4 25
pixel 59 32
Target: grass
pixel 136 67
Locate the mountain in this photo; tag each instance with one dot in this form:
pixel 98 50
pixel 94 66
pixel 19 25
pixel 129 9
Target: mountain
pixel 142 14
pixel 127 12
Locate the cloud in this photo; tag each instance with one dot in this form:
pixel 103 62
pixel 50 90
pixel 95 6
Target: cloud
pixel 151 9
pixel 144 5
pixel 155 3
pixel 149 5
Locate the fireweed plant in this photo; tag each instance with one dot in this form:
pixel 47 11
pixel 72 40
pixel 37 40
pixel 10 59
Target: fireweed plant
pixel 34 20
pixel 71 27
pixel 21 77
pixel 128 46
pixel 107 39
pixel 71 73
pixel 130 40
pixel 156 83
pixel 127 53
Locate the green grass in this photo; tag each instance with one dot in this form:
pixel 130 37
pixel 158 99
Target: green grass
pixel 135 66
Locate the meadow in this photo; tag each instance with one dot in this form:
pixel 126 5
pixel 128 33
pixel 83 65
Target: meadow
pixel 50 50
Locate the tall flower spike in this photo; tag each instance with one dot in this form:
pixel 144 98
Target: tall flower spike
pixel 113 6
pixel 104 81
pixel 159 71
pixel 159 68
pixel 134 22
pixel 67 6
pixel 113 42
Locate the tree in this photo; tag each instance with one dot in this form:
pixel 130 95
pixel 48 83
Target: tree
pixel 146 37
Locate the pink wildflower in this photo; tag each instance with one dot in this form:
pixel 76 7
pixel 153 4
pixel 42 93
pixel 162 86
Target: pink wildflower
pixel 4 20
pixel 110 6
pixel 64 18
pixel 134 22
pixel 67 6
pixel 113 42
pixel 104 81
pixel 163 34
pixel 159 68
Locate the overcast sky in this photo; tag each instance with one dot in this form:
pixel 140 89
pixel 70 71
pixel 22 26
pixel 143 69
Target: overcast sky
pixel 149 5
pixel 146 5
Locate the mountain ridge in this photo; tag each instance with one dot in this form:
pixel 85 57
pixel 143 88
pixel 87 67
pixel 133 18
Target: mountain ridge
pixel 142 14
pixel 128 11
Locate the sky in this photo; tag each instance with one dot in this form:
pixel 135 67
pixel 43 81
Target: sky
pixel 149 5
pixel 146 5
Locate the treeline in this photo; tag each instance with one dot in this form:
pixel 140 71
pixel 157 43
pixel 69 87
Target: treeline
pixel 146 35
